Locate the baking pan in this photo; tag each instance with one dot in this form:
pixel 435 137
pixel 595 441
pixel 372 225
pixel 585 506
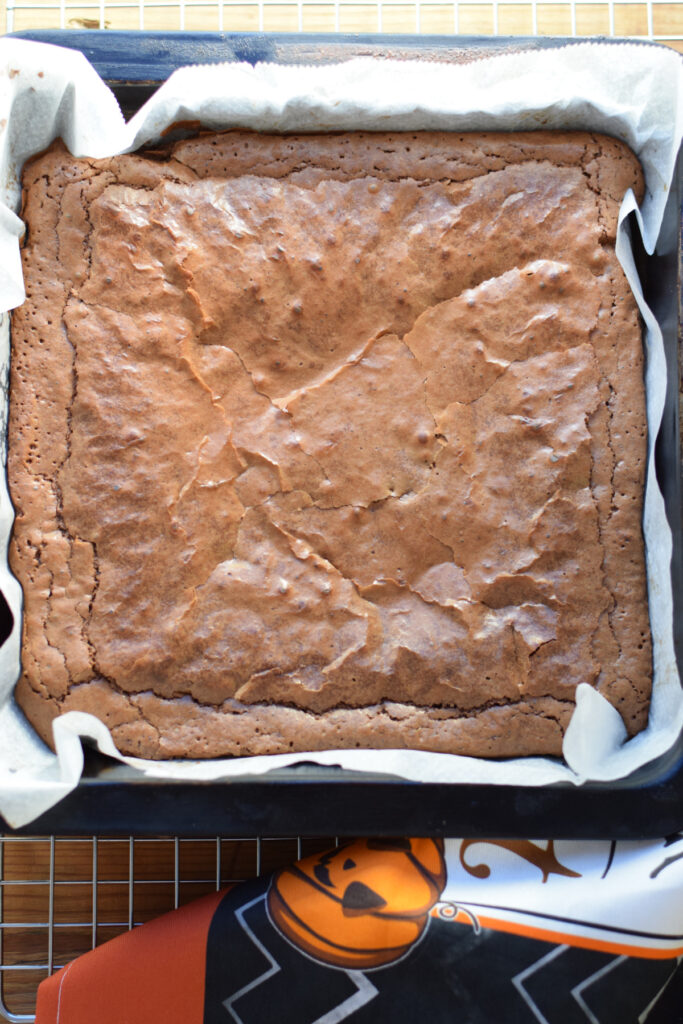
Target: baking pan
pixel 310 799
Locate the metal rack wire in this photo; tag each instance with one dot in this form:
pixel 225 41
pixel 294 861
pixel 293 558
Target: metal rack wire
pixel 640 19
pixel 60 898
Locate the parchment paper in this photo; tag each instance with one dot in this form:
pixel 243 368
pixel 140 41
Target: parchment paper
pixel 632 92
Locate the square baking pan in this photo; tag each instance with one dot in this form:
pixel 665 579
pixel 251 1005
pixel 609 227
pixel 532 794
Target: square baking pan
pixel 310 799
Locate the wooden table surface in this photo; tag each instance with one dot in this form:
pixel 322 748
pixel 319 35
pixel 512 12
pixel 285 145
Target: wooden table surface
pixel 476 17
pixel 103 886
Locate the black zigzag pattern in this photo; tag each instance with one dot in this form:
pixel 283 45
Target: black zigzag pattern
pixel 255 976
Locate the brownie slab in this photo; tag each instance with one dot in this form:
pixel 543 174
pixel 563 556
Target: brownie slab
pixel 330 441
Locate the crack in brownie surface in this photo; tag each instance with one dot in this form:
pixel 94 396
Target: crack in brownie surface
pixel 328 441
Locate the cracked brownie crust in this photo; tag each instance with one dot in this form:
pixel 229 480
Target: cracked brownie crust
pixel 330 441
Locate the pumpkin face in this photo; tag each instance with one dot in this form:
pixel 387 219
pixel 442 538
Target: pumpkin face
pixel 361 905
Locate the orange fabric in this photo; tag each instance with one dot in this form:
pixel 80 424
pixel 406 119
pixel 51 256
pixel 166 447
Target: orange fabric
pixel 572 939
pixel 152 974
pixel 583 941
pixel 362 904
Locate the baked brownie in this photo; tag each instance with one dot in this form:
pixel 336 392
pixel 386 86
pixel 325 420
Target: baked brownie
pixel 328 441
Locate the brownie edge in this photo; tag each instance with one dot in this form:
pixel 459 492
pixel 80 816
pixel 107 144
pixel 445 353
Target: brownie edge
pixel 330 441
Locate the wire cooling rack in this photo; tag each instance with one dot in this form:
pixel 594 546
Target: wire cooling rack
pixel 640 19
pixel 60 898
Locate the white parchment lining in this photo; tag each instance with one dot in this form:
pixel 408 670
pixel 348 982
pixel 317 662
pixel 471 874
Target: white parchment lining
pixel 628 91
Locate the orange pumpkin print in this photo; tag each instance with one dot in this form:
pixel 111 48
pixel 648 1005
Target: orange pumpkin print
pixel 360 905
